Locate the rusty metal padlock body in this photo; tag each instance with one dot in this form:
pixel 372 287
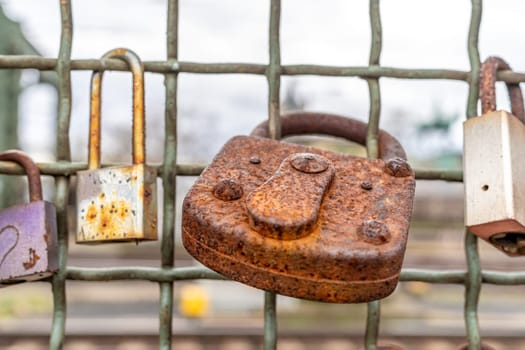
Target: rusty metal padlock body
pixel 353 250
pixel 117 204
pixel 28 232
pixel 494 147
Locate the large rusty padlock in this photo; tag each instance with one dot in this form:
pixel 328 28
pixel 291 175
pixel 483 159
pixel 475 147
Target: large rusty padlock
pixel 28 232
pixel 117 203
pixel 302 221
pixel 493 166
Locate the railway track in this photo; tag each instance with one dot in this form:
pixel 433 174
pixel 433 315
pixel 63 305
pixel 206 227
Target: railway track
pixel 240 341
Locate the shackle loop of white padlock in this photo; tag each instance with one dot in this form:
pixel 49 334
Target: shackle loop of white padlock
pixel 138 138
pixel 487 88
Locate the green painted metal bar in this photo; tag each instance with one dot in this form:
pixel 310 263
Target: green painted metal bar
pixel 473 282
pixel 373 84
pixel 274 71
pixel 141 273
pixel 56 339
pixel 373 317
pixel 41 63
pixel 273 75
pixel 169 178
pixel 70 168
pixel 372 149
pixel 153 274
pixel 472 291
pixel 445 175
pixel 270 321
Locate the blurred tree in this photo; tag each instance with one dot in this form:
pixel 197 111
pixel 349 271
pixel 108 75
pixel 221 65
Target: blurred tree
pixel 293 101
pixel 13 42
pixel 440 122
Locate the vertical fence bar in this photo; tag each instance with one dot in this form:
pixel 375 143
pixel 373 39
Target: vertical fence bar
pixel 473 281
pixel 56 340
pixel 273 75
pixel 169 178
pixel 270 321
pixel 374 310
pixel 274 71
pixel 373 84
pixel 372 324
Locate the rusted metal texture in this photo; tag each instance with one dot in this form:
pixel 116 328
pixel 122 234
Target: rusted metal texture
pixel 28 232
pixel 487 85
pixel 494 146
pixel 117 203
pixel 139 121
pixel 308 223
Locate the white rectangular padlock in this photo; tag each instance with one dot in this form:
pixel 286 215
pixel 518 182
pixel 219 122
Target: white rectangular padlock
pixel 494 167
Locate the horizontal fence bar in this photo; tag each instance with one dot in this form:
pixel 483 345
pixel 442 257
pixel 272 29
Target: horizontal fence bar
pixel 67 169
pixel 190 273
pixel 141 273
pixel 41 63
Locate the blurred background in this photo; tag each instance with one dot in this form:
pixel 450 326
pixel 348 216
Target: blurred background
pixel 425 115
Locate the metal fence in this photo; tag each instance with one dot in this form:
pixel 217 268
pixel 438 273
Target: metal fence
pixel 166 274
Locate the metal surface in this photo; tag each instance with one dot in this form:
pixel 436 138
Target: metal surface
pixel 28 233
pixel 117 204
pixel 286 206
pixel 487 92
pixel 297 233
pixel 493 151
pixel 138 142
pixel 473 277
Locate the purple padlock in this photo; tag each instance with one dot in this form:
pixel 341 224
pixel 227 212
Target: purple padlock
pixel 28 232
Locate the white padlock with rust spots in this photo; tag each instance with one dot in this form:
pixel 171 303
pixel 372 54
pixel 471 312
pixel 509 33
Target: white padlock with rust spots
pixel 494 166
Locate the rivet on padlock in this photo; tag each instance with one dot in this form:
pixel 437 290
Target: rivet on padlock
pixel 301 221
pixel 117 203
pixel 493 167
pixel 28 232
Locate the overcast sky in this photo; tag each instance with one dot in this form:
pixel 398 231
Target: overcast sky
pixel 416 34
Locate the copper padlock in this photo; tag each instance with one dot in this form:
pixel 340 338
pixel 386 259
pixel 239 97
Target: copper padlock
pixel 493 166
pixel 302 221
pixel 117 204
pixel 28 232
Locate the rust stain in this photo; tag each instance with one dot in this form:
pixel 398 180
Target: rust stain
pixel 108 217
pixel 153 223
pixel 91 214
pixel 123 209
pixel 487 88
pixel 227 190
pixel 140 193
pixel 33 258
pixel 287 205
pixel 398 167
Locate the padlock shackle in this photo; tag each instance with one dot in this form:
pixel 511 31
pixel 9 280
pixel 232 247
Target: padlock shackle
pixel 31 169
pixel 138 138
pixel 487 88
pixel 300 123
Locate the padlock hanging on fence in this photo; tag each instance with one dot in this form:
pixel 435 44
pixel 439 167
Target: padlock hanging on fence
pixel 28 232
pixel 301 221
pixel 117 204
pixel 494 168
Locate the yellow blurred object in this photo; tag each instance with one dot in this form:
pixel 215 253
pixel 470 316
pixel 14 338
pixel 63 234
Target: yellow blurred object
pixel 417 288
pixel 194 301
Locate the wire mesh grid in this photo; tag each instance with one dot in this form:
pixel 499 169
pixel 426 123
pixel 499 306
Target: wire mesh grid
pixel 166 274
